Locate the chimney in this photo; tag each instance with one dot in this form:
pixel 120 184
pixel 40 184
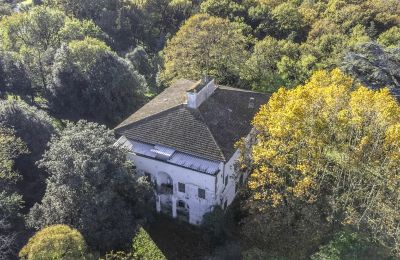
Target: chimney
pixel 251 102
pixel 203 90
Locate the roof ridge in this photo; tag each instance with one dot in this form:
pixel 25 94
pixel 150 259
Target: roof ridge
pixel 243 90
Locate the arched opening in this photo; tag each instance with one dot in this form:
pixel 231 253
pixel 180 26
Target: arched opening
pixel 165 191
pixel 165 184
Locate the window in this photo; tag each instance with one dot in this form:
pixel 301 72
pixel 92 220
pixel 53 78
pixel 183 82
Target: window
pixel 226 180
pixel 181 187
pixel 202 193
pixel 181 204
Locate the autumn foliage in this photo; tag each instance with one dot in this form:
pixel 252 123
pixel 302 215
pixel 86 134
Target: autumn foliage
pixel 335 142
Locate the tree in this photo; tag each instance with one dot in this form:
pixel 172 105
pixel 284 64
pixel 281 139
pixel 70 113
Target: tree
pixel 374 66
pixel 144 64
pixel 92 82
pixel 205 45
pixel 331 146
pixel 34 127
pixel 346 244
pixel 91 187
pixel 225 8
pixel 36 34
pixel 143 247
pixel 262 71
pixel 55 242
pixel 11 202
pixel 288 21
pixel 390 38
pixel 14 77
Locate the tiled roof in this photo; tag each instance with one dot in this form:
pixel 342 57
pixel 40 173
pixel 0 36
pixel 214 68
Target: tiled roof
pixel 171 97
pixel 210 131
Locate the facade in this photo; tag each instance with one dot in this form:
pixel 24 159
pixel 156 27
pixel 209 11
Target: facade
pixel 184 142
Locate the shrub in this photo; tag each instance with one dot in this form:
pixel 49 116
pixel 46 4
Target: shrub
pixel 55 242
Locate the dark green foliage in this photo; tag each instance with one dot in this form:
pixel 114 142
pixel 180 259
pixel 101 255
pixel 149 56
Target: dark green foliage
pixel 91 82
pixel 91 187
pixel 31 124
pixel 288 230
pixel 10 201
pixel 349 245
pixel 374 66
pixel 144 64
pixel 35 128
pixel 218 224
pixel 13 77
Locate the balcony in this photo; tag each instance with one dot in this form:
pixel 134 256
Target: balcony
pixel 166 189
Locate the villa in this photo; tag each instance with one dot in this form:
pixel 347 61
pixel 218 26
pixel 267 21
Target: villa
pixel 184 139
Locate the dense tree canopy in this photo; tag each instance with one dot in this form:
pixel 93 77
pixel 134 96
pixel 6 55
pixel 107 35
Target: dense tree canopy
pixel 374 66
pixel 55 242
pixel 34 36
pixel 14 78
pixel 332 147
pixel 92 82
pixel 270 66
pixel 205 45
pixel 11 202
pixel 35 128
pixel 91 187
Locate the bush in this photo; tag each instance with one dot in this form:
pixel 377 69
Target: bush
pixel 143 247
pixel 349 245
pixel 55 242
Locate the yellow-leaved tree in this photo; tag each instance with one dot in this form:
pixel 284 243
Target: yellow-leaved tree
pixel 327 152
pixel 55 242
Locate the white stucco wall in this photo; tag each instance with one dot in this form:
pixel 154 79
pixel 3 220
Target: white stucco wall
pixel 192 180
pixel 226 191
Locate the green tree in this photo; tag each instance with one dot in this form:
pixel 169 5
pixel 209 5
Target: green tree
pixel 92 82
pixel 92 187
pixel 144 63
pixel 34 127
pixel 11 202
pixel 35 36
pixel 205 45
pixel 348 245
pixel 326 152
pixel 13 77
pixel 390 38
pixel 225 8
pixel 143 247
pixel 55 242
pixel 262 70
pixel 289 21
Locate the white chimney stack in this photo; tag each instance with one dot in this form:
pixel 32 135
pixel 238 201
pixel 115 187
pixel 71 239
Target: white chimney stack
pixel 200 93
